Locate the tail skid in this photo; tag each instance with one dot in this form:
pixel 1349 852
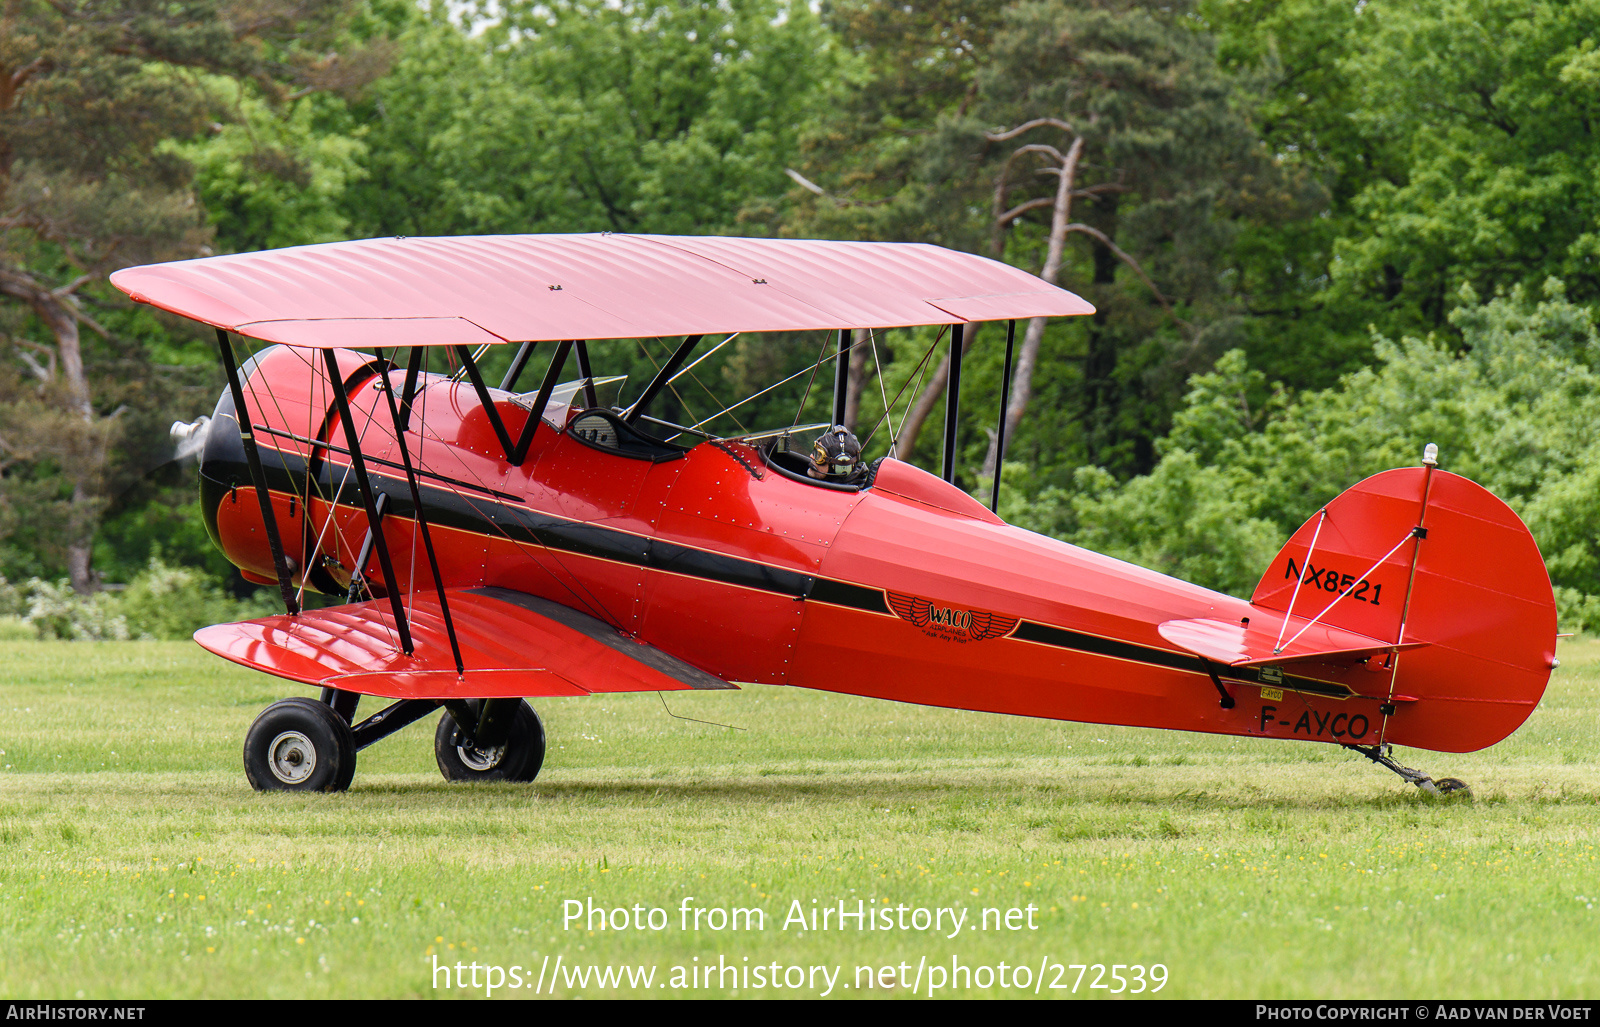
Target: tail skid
pixel 1379 754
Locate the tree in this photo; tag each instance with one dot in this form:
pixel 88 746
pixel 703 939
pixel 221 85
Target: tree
pixel 913 62
pixel 1517 411
pixel 1498 104
pixel 89 93
pixel 1098 145
pixel 1109 126
pixel 1457 140
pixel 588 115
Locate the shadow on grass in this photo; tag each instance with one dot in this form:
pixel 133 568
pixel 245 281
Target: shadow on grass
pixel 773 791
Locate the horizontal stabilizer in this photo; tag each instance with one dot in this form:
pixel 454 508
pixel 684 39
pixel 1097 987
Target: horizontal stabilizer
pixel 1250 645
pixel 512 644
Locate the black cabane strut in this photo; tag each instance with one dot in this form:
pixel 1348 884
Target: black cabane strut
pixel 589 398
pixel 518 362
pixel 409 393
pixel 662 377
pixel 841 377
pixel 489 408
pixel 358 582
pixel 1000 429
pixel 546 388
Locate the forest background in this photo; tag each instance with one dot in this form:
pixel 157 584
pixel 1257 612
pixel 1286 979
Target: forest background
pixel 1318 233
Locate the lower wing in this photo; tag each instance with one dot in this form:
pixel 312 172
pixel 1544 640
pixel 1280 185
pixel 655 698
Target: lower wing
pixel 512 645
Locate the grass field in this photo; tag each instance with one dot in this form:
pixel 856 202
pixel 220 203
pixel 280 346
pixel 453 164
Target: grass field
pixel 136 862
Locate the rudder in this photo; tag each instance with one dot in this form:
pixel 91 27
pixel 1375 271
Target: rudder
pixel 1462 574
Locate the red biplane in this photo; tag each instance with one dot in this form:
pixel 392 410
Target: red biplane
pixel 535 543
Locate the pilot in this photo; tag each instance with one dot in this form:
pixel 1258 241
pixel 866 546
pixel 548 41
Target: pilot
pixel 836 458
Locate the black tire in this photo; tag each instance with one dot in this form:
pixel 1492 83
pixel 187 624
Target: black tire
pixel 299 745
pixel 518 760
pixel 1453 786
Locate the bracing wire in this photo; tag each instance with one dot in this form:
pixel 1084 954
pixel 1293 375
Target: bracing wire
pixel 670 387
pixel 705 388
pixel 801 409
pixel 877 367
pixel 701 357
pixel 920 370
pixel 763 392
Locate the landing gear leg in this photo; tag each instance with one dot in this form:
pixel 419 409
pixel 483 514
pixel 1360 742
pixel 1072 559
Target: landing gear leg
pixel 1379 754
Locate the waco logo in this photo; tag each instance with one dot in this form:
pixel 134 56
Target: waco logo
pixel 948 622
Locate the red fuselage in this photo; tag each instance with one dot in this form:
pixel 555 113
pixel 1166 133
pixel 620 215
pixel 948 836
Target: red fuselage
pixel 907 589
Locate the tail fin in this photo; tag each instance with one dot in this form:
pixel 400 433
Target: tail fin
pixel 1433 564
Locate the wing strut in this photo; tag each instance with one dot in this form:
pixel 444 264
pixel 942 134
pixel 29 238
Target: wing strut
pixel 422 521
pixel 952 402
pixel 258 477
pixel 1000 429
pixel 368 500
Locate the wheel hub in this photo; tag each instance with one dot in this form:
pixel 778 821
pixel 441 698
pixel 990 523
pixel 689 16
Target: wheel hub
pixel 481 759
pixel 292 757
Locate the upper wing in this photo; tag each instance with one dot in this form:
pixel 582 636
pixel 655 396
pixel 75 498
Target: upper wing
pixel 512 644
pixel 517 288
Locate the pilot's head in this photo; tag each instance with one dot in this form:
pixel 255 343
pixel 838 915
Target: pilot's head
pixel 835 454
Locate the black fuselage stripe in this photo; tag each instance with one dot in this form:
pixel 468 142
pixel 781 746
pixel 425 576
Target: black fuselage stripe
pixel 844 593
pixel 1030 631
pixel 488 517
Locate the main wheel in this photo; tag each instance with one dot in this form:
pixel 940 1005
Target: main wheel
pixel 517 760
pixel 299 745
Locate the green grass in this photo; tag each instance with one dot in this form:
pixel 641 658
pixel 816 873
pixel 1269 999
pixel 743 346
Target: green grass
pixel 136 862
